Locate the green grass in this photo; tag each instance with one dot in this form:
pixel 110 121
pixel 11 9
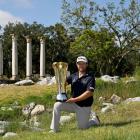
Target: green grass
pixel 123 124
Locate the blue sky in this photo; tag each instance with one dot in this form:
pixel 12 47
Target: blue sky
pixel 46 12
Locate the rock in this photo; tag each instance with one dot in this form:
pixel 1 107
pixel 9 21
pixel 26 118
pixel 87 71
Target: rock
pixel 9 134
pixel 66 118
pixel 101 99
pixel 129 100
pixel 37 124
pixel 4 123
pixel 47 81
pixel 2 131
pixel 115 99
pixel 131 80
pixel 28 108
pixel 53 81
pixel 107 107
pixel 37 110
pixel 3 108
pixel 107 78
pixel 44 81
pixel 34 121
pixel 36 129
pixel 4 85
pixel 24 83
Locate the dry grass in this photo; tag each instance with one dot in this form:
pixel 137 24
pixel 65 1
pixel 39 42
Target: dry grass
pixel 20 92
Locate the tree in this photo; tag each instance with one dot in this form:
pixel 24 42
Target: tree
pixel 98 47
pixel 58 44
pixel 78 15
pixel 124 22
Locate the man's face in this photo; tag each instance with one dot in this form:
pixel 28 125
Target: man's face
pixel 82 66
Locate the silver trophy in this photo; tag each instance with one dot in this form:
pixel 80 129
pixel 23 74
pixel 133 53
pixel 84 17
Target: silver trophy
pixel 60 70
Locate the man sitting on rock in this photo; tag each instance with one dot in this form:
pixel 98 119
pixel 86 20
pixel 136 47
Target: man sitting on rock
pixel 82 88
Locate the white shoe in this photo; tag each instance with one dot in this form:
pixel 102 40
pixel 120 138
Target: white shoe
pixel 94 119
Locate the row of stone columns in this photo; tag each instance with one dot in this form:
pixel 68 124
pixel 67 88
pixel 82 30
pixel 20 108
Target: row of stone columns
pixel 28 58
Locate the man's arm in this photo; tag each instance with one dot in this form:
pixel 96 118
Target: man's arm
pixel 82 97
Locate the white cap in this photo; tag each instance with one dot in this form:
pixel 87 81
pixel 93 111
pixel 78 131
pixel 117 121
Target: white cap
pixel 82 59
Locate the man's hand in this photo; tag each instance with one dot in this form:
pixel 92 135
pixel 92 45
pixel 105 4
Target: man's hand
pixel 71 100
pixel 82 97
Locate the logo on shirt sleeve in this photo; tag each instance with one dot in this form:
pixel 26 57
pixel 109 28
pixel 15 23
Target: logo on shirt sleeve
pixel 91 88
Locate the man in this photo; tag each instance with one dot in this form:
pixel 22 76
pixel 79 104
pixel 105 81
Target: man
pixel 82 88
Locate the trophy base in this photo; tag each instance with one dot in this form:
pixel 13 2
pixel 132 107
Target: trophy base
pixel 61 100
pixel 61 97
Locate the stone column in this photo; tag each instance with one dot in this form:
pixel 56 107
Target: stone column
pixel 14 58
pixel 29 58
pixel 42 58
pixel 1 59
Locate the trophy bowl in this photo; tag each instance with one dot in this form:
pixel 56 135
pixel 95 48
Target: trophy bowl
pixel 60 70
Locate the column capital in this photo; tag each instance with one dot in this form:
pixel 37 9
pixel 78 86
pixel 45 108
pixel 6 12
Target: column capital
pixel 14 37
pixel 28 39
pixel 42 40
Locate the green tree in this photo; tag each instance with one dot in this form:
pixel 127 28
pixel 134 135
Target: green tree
pixel 124 22
pixel 98 46
pixel 78 15
pixel 58 44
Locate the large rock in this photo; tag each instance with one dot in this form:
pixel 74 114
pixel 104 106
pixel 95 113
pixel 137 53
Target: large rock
pixel 115 99
pixel 37 110
pixel 107 107
pixel 129 100
pixel 9 134
pixel 52 81
pixel 107 78
pixel 44 81
pixel 28 108
pixel 24 83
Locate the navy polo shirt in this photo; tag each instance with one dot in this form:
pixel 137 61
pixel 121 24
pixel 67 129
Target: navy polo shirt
pixel 80 85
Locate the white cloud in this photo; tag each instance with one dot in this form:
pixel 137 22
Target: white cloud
pixel 6 17
pixel 19 3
